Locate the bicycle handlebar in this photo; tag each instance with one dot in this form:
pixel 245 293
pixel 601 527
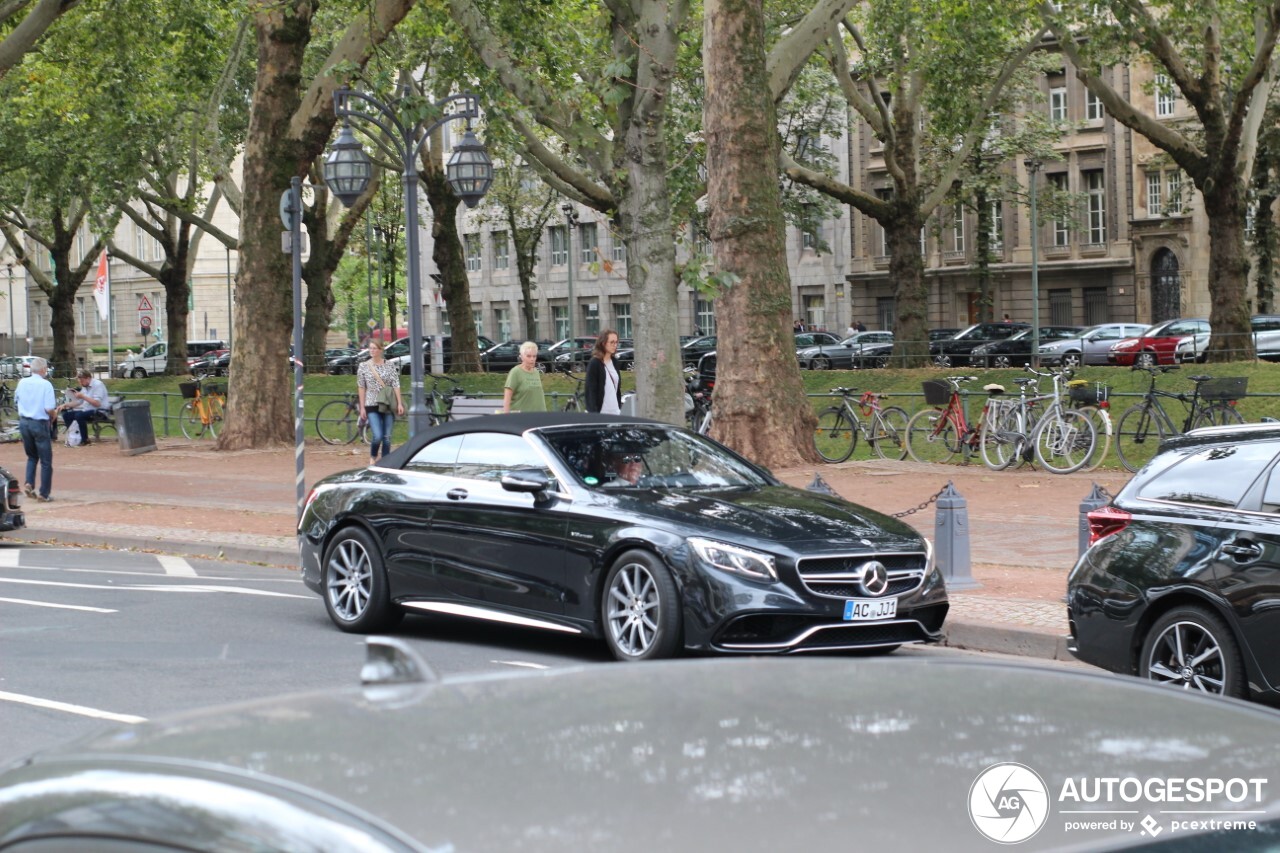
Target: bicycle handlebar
pixel 1156 368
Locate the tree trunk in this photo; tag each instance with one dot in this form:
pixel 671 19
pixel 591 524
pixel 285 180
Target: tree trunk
pixel 982 244
pixel 1232 338
pixel 911 291
pixel 760 406
pixel 177 292
pixel 525 242
pixel 450 258
pixel 317 272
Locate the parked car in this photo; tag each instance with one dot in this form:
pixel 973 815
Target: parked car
pixel 692 351
pixel 581 344
pixel 1157 344
pixel 954 351
pixel 1090 346
pixel 943 334
pixel 346 364
pixel 840 355
pixel 692 548
pixel 11 515
pixel 18 366
pixel 1182 582
pixel 216 363
pixel 1015 350
pixel 1266 340
pixel 577 359
pixel 707 754
pixel 397 353
pixel 506 355
pixel 706 369
pixel 154 360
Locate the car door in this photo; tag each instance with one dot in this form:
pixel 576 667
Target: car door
pixel 402 517
pixel 495 547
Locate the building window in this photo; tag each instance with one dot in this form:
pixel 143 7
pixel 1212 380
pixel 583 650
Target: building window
pixel 1093 109
pixel 701 240
pixel 996 236
pixel 957 228
pixel 471 243
pixel 885 195
pixel 591 318
pixel 478 318
pixel 1095 305
pixel 1096 190
pixel 502 319
pixel 808 227
pixel 814 311
pixel 1060 307
pixel 886 312
pixel 705 319
pixel 445 326
pixel 1155 187
pixel 139 243
pixel 1174 179
pixel 588 241
pixel 619 244
pixel 1061 226
pixel 82 318
pixel 622 319
pixel 501 249
pixel 1165 96
pixel 1058 103
pixel 559 246
pixel 560 321
pixel 157 250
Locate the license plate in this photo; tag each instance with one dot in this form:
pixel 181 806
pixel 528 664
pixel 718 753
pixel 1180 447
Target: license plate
pixel 870 609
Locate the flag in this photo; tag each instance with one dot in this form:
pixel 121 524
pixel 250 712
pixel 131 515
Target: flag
pixel 102 288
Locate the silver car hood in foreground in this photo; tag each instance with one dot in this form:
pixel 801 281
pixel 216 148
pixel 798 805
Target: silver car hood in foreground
pixel 753 754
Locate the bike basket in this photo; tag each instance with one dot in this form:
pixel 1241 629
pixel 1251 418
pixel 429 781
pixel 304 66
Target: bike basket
pixel 1090 396
pixel 214 389
pixel 936 393
pixel 189 389
pixel 1226 388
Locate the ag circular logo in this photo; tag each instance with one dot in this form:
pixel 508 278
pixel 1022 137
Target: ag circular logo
pixel 1008 802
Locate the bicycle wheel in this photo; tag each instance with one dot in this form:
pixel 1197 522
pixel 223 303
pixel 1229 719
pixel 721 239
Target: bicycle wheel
pixel 8 413
pixel 931 437
pixel 213 408
pixel 572 405
pixel 189 419
pixel 889 433
pixel 1102 426
pixel 1138 436
pixel 1217 414
pixel 1064 441
pixel 338 422
pixel 1001 438
pixel 836 435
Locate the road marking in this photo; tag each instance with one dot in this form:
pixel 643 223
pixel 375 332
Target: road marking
pixel 9 558
pixel 520 663
pixel 70 709
pixel 59 606
pixel 176 566
pixel 150 588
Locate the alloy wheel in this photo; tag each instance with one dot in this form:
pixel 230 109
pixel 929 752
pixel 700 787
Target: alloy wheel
pixel 1186 655
pixel 633 610
pixel 349 581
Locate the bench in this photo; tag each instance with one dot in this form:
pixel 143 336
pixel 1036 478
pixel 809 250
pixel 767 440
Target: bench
pixel 99 421
pixel 471 407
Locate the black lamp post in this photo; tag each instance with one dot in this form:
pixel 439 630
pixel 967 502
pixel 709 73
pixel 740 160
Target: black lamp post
pixel 570 220
pixel 348 169
pixel 1033 165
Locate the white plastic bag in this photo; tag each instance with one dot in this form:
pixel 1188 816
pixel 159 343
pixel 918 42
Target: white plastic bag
pixel 73 434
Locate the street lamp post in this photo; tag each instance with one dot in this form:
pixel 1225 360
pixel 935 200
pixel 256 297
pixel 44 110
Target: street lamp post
pixel 348 169
pixel 231 319
pixel 13 350
pixel 570 220
pixel 1033 169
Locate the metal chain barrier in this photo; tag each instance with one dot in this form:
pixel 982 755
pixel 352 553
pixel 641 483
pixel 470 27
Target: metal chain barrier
pixel 924 505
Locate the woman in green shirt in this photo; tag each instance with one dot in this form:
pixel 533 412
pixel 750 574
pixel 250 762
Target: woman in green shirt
pixel 523 392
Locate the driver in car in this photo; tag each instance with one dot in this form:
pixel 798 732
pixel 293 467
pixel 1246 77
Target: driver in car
pixel 628 468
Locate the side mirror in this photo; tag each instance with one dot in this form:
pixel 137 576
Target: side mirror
pixel 528 480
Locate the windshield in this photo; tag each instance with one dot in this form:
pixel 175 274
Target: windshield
pixel 648 457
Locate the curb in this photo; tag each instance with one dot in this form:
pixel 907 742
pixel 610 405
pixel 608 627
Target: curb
pixel 982 637
pixel 263 554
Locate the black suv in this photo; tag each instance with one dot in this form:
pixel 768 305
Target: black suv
pixel 953 352
pixel 1182 582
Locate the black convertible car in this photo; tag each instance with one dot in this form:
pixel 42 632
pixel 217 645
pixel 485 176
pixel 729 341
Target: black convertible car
pixel 642 533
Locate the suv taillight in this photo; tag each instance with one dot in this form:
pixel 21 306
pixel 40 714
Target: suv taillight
pixel 15 495
pixel 1106 521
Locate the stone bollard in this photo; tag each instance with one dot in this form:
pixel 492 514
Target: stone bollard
pixel 1096 499
pixel 820 485
pixel 951 539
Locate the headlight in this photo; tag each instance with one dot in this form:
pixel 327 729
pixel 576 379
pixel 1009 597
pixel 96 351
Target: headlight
pixel 743 562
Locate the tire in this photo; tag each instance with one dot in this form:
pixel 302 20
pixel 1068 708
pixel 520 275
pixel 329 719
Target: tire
pixel 1217 414
pixel 138 373
pixel 883 360
pixel 1064 441
pixel 923 445
pixel 1138 436
pixel 1001 361
pixel 1145 359
pixel 835 436
pixel 1000 440
pixel 889 433
pixel 1104 429
pixel 192 427
pixel 942 360
pixel 1071 359
pixel 640 609
pixel 338 422
pixel 820 362
pixel 1192 648
pixel 572 405
pixel 354 580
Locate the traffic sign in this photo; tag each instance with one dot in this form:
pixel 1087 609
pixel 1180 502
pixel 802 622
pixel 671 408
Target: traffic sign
pixel 144 304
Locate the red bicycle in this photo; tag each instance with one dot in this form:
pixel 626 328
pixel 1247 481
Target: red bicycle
pixel 939 433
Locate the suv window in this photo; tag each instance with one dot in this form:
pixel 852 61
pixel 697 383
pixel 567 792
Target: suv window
pixel 1212 476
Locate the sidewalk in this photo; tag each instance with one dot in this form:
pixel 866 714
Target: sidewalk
pixel 187 499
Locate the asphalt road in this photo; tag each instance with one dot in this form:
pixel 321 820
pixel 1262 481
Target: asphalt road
pixel 93 638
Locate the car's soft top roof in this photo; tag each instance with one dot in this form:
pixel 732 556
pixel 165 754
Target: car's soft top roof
pixel 515 424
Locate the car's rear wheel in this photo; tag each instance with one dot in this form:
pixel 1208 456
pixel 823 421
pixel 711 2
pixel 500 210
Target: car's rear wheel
pixel 1071 359
pixel 1145 359
pixel 1192 648
pixel 820 362
pixel 356 592
pixel 883 360
pixel 641 608
pixel 942 360
pixel 1001 361
pixel 139 373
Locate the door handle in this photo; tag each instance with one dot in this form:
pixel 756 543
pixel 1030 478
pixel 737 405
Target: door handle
pixel 456 494
pixel 1242 549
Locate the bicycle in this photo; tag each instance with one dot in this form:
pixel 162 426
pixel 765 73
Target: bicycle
pixel 697 408
pixel 8 410
pixel 1064 438
pixel 884 428
pixel 340 421
pixel 1006 430
pixel 203 409
pixel 939 433
pixel 577 403
pixel 1146 424
pixel 440 403
pixel 1095 404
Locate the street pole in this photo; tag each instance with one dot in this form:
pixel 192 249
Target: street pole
pixel 570 219
pixel 368 264
pixel 231 320
pixel 292 205
pixel 13 349
pixel 1033 169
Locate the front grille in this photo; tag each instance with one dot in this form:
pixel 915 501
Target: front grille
pixel 782 633
pixel 836 576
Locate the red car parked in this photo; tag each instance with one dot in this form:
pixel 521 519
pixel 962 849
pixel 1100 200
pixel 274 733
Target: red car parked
pixel 1157 345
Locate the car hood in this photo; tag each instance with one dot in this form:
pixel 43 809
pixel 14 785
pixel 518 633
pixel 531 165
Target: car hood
pixel 770 515
pixel 689 755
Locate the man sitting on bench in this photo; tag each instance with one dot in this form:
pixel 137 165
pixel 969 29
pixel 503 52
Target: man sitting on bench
pixel 85 403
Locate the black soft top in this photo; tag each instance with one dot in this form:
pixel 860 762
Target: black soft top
pixel 514 424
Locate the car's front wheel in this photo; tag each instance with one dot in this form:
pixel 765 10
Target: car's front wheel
pixel 1192 648
pixel 1071 359
pixel 942 360
pixel 1145 359
pixel 356 593
pixel 641 608
pixel 820 362
pixel 139 373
